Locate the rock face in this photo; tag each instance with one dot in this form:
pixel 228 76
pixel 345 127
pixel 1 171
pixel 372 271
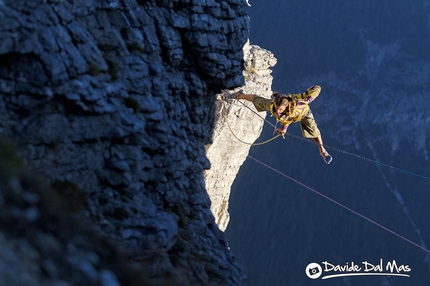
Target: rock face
pixel 237 119
pixel 111 104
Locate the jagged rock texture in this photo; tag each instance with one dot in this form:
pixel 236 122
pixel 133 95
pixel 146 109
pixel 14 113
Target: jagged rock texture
pixel 237 119
pixel 111 104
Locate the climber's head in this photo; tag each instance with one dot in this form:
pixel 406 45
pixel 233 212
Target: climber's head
pixel 281 101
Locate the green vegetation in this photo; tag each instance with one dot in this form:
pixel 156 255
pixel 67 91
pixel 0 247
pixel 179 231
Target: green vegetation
pixel 10 164
pixel 113 69
pixel 93 69
pixel 73 195
pixel 132 103
pixel 135 47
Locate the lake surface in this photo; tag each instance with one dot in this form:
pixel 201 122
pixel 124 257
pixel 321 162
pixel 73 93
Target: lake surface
pixel 355 218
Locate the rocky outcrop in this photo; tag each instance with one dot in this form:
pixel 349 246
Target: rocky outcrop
pixel 110 104
pixel 236 129
pixel 42 241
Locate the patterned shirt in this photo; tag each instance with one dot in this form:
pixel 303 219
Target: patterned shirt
pixel 298 108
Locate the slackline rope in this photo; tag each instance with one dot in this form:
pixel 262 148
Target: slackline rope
pixel 332 148
pixel 364 159
pixel 341 205
pixel 231 130
pixel 324 196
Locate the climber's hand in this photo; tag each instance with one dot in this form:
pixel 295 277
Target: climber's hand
pixel 281 131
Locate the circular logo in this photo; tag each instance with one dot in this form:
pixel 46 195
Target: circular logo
pixel 313 270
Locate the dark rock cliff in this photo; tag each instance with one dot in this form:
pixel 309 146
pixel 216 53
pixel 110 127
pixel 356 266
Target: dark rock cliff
pixel 110 104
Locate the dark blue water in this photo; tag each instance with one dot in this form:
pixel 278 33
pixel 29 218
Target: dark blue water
pixel 370 58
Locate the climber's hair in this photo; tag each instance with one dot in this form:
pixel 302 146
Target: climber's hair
pixel 281 99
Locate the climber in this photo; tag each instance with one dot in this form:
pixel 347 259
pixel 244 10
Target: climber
pixel 288 109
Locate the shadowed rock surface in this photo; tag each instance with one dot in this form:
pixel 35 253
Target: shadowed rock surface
pixel 110 104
